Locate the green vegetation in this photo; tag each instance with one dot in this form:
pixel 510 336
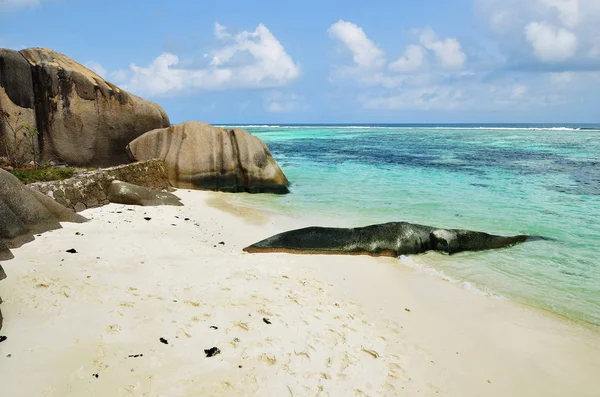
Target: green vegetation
pixel 19 141
pixel 30 175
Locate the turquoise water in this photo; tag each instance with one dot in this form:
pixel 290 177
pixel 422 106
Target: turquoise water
pixel 504 180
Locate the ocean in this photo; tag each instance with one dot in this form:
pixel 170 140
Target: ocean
pixel 539 180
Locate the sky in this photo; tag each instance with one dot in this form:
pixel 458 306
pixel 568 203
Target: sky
pixel 330 61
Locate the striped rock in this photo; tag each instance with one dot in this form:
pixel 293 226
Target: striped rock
pixel 81 118
pixel 201 156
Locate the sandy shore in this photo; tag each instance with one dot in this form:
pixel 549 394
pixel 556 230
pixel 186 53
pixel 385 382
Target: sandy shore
pixel 90 323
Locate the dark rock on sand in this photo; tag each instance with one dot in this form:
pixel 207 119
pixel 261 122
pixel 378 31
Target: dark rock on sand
pixel 213 351
pixel 389 239
pixel 127 193
pixel 201 156
pixel 82 119
pixel 25 212
pixel 2 277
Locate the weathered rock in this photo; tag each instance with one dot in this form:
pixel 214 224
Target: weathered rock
pixel 388 239
pixel 25 212
pixel 81 118
pixel 126 193
pixel 201 156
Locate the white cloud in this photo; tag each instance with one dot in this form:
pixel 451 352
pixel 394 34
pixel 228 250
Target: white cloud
pixel 551 44
pixel 247 60
pixel 568 10
pixel 449 51
pixel 221 31
pixel 564 31
pixel 96 67
pixel 364 52
pixel 369 61
pixel 413 59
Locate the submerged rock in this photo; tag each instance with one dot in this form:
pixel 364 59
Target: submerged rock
pixel 25 212
pixel 81 118
pixel 201 156
pixel 127 193
pixel 388 239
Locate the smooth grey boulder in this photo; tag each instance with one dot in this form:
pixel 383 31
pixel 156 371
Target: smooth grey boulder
pixel 388 239
pixel 25 212
pixel 205 157
pixel 126 193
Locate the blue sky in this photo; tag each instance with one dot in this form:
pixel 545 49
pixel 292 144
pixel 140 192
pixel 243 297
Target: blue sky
pixel 330 61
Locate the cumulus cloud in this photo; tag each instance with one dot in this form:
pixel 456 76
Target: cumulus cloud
pixel 245 60
pixel 364 52
pixel 448 51
pixel 409 81
pixel 550 31
pixel 551 44
pixel 568 10
pixel 413 59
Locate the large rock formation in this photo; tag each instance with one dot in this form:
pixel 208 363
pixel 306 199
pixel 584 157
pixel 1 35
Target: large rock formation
pixel 388 239
pixel 81 118
pixel 199 155
pixel 25 212
pixel 126 193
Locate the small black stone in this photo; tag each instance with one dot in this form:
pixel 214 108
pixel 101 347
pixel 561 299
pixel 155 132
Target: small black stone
pixel 212 352
pixel 186 219
pixel 407 309
pixel 239 366
pixel 95 376
pixel 3 338
pixel 136 355
pixel 222 242
pixel 72 251
pixel 214 327
pixel 147 218
pixel 163 340
pixel 266 320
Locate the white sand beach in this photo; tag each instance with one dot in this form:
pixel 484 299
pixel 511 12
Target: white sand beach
pixel 90 323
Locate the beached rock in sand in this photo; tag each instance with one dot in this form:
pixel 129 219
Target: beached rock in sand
pixel 81 118
pixel 25 212
pixel 127 193
pixel 388 239
pixel 201 156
